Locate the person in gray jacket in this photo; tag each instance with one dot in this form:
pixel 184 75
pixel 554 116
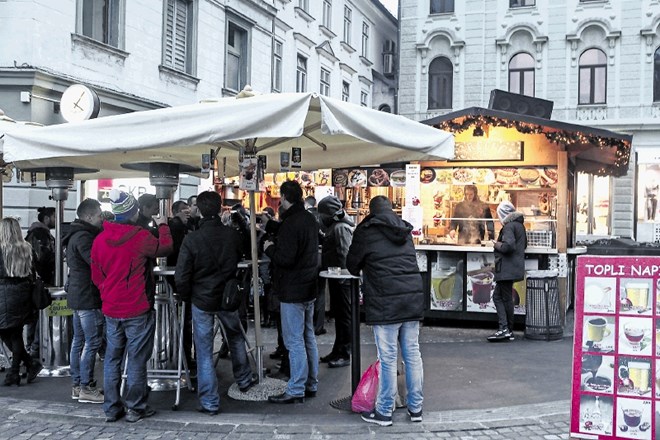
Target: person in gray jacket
pixel 509 252
pixel 338 237
pixel 85 301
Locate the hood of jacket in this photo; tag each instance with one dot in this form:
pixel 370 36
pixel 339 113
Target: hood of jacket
pixel 119 233
pixel 296 207
pixel 80 226
pixel 38 225
pixel 515 216
pixel 391 225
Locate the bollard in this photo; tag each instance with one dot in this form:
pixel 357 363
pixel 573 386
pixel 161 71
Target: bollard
pixel 55 335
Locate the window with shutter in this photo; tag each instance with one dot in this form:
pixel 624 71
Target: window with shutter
pixel 178 35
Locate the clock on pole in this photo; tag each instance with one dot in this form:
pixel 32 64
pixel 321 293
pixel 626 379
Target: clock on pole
pixel 79 103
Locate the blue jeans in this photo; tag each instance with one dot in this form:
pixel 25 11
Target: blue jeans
pixel 87 337
pixel 207 380
pixel 406 334
pixel 299 339
pixel 133 338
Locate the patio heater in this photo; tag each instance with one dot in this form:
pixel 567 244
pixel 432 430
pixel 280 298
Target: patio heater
pixel 55 329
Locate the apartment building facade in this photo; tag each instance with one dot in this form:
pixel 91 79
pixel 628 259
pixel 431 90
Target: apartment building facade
pixel 146 54
pixel 597 60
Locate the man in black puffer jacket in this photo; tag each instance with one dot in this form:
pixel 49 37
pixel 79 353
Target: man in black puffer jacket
pixel 509 252
pixel 209 258
pixel 85 301
pixel 383 250
pixel 294 256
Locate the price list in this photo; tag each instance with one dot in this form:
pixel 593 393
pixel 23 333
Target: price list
pixel 616 364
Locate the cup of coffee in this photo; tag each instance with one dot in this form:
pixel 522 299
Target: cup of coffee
pixel 597 329
pixel 634 334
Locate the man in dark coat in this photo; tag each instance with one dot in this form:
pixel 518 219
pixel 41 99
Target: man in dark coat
pixel 383 250
pixel 209 258
pixel 85 300
pixel 294 256
pixel 338 236
pixel 509 267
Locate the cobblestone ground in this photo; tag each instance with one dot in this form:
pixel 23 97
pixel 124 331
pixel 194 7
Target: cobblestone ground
pixel 22 420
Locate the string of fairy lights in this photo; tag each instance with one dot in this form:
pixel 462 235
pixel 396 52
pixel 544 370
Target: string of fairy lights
pixel 564 137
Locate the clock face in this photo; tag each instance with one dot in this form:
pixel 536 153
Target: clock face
pixel 79 103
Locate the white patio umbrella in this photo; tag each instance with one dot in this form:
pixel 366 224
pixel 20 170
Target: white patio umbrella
pixel 331 133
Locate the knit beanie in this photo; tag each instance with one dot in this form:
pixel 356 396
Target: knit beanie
pixel 124 206
pixel 330 206
pixel 505 208
pixel 379 204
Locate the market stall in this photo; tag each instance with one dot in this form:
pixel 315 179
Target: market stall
pixel 532 162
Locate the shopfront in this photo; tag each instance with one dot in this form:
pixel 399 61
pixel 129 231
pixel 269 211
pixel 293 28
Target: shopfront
pixel 536 164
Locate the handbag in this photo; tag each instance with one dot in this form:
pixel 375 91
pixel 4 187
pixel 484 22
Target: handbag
pixel 364 398
pixel 231 296
pixel 40 295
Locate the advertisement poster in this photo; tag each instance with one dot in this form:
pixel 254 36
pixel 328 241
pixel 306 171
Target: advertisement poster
pixel 248 175
pixel 616 364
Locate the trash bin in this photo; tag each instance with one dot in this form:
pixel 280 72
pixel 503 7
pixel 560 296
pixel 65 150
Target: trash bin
pixel 55 335
pixel 542 306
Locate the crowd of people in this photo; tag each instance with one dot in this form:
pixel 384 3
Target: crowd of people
pixel 111 291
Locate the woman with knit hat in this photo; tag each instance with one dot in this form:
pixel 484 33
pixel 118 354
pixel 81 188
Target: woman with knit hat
pixel 509 252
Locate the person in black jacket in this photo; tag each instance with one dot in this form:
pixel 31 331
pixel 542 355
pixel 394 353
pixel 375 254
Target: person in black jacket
pixel 85 300
pixel 337 240
pixel 208 258
pixel 509 252
pixel 16 273
pixel 383 250
pixel 295 257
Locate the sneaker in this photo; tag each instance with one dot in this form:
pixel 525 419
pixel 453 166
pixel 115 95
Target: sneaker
pixel 500 335
pixel 75 392
pixel 133 416
pixel 114 417
pixel 90 395
pixel 511 338
pixel 377 418
pixel 415 417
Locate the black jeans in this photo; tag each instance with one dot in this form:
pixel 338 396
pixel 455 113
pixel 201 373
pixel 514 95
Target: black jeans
pixel 13 338
pixel 340 303
pixel 503 299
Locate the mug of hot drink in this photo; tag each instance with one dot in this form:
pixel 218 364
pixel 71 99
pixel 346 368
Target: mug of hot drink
pixel 632 416
pixel 638 295
pixel 481 287
pixel 634 335
pixel 639 374
pixel 597 329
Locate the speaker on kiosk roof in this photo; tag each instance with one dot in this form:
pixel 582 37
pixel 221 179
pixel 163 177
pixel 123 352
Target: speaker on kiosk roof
pixel 521 104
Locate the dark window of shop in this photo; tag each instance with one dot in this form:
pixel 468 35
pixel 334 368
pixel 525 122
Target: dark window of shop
pixel 521 3
pixel 442 6
pixel 593 77
pixel 101 20
pixel 441 83
pixel 179 28
pixel 521 74
pixel 656 76
pixel 236 72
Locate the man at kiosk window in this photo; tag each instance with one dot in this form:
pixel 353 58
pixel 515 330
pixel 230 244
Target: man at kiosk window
pixel 471 231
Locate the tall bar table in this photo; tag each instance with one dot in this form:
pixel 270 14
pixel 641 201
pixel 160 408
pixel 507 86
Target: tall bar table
pixel 344 403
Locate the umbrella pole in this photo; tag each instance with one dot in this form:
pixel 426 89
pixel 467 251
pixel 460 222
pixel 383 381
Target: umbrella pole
pixel 255 286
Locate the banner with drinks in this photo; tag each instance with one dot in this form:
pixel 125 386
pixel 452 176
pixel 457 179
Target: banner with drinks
pixel 616 364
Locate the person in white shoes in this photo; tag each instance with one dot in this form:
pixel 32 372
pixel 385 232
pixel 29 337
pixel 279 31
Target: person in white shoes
pixel 509 252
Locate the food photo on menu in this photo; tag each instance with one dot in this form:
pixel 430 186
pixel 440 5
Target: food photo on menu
pixel 635 335
pixel 634 418
pixel 599 295
pixel 636 296
pixel 657 338
pixel 657 380
pixel 598 334
pixel 597 373
pixel 596 414
pixel 634 376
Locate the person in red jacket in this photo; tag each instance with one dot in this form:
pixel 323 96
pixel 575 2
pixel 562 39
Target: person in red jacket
pixel 119 269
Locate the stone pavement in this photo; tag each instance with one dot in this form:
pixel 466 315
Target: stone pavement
pixel 473 390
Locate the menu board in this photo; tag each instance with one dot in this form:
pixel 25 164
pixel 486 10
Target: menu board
pixel 616 364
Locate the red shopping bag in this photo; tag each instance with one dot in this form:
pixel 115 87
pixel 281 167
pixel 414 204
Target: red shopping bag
pixel 364 398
